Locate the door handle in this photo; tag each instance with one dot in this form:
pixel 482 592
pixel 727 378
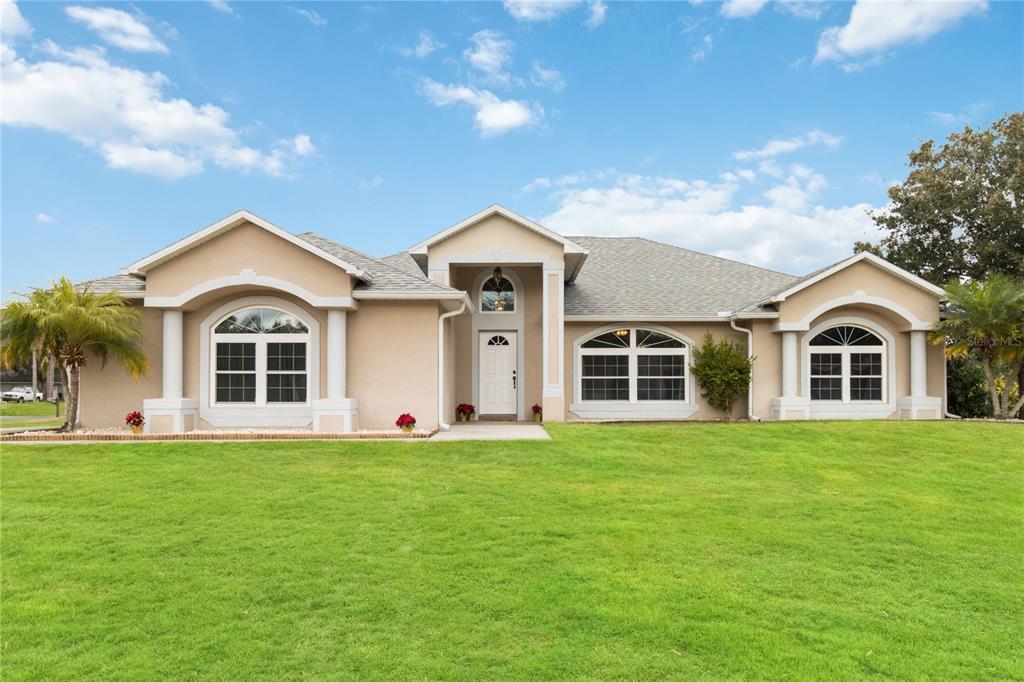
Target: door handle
pixel 513 378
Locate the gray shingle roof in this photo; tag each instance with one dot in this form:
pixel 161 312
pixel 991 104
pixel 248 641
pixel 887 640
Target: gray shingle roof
pixel 632 277
pixel 386 277
pixel 125 284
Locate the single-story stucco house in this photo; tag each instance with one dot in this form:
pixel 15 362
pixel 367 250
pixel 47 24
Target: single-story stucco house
pixel 247 325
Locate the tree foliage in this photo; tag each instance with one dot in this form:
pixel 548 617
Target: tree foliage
pixel 966 388
pixel 985 320
pixel 960 212
pixel 72 323
pixel 723 372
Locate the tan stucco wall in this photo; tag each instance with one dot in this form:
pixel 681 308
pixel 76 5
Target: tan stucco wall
pixel 861 277
pixel 392 362
pixel 492 235
pixel 530 376
pixel 109 393
pixel 695 332
pixel 248 247
pixel 767 370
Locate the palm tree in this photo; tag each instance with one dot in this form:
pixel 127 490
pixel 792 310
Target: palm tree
pixel 986 319
pixel 70 323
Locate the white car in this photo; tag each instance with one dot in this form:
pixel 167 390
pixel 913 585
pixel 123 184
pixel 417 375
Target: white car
pixel 20 394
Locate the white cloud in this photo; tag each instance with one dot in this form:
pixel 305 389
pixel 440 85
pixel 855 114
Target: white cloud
pixel 303 146
pixel 424 47
pixel 12 24
pixel 568 180
pixel 117 28
pixel 779 146
pixel 45 218
pixel 875 27
pixel 943 117
pixel 596 14
pixel 949 118
pixel 703 49
pixel 311 15
pixel 125 115
pixel 803 9
pixel 791 232
pixel 740 9
pixel 490 53
pixel 494 116
pixel 547 78
pixel 376 182
pixel 541 10
pixel 221 6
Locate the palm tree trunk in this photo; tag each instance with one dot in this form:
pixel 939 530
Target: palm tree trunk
pixel 1020 391
pixel 48 384
pixel 35 372
pixel 71 411
pixel 986 364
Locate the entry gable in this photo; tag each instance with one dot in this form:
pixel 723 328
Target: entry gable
pixel 220 227
pixel 498 231
pixel 871 259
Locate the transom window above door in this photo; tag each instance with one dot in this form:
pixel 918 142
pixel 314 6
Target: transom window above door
pixel 498 295
pixel 846 364
pixel 632 365
pixel 260 358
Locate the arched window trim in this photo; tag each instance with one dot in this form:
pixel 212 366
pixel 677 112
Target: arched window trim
pixel 844 409
pixel 516 300
pixel 632 407
pixel 249 414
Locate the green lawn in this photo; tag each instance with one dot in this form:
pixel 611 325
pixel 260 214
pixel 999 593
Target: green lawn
pixel 29 409
pixel 773 551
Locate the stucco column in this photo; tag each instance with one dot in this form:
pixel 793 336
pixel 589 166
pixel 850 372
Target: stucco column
pixel 337 323
pixel 173 353
pixel 918 363
pixel 790 359
pixel 553 340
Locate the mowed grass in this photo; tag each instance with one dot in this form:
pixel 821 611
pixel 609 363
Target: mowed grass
pixel 710 551
pixel 31 409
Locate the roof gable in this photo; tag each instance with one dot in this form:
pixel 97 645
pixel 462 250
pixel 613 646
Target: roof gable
pixel 496 209
pixel 817 276
pixel 234 220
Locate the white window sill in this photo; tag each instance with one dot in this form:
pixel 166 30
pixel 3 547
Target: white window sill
pixel 597 409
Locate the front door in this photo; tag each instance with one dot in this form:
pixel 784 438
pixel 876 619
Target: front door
pixel 498 370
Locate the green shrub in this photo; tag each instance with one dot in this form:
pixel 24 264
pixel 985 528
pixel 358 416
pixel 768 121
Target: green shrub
pixel 723 372
pixel 965 388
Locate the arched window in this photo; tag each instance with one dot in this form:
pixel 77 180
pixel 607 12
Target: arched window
pixel 260 357
pixel 498 295
pixel 847 364
pixel 632 365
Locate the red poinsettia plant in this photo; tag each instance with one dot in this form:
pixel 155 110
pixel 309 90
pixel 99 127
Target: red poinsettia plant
pixel 405 421
pixel 465 408
pixel 134 419
pixel 537 409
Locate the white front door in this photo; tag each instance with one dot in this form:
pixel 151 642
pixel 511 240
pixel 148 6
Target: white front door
pixel 498 380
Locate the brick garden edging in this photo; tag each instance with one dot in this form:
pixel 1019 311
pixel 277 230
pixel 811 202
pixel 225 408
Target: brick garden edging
pixel 37 437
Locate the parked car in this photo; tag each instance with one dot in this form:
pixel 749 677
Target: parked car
pixel 20 394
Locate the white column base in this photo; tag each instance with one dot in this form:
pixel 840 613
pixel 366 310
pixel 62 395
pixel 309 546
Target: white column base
pixel 335 415
pixel 920 407
pixel 787 409
pixel 169 415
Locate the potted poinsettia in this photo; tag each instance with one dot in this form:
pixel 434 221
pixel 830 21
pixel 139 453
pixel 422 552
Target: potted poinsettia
pixel 406 422
pixel 538 413
pixel 465 412
pixel 135 421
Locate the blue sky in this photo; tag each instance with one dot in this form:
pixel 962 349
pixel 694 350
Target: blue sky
pixel 758 131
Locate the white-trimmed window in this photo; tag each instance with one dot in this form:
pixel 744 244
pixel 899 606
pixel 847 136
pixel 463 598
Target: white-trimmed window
pixel 498 294
pixel 260 357
pixel 633 365
pixel 847 364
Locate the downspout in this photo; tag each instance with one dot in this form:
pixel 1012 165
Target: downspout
pixel 750 356
pixel 440 364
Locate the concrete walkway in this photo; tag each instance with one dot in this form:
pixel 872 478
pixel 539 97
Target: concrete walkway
pixel 493 431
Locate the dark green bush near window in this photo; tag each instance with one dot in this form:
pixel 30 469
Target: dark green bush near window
pixel 965 387
pixel 723 372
